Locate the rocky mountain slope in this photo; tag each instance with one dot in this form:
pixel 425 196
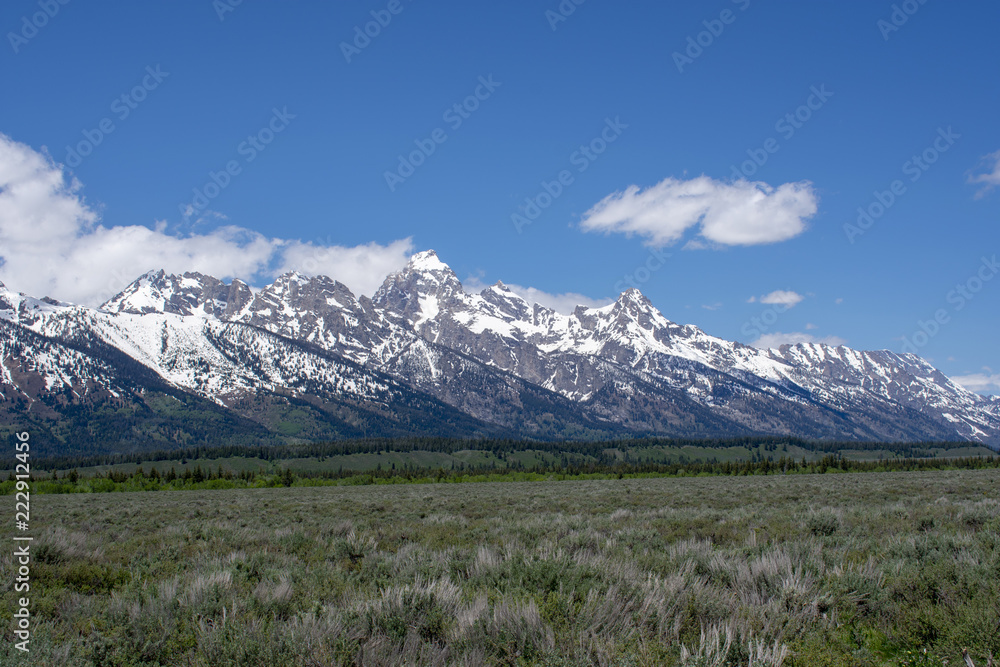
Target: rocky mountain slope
pixel 306 358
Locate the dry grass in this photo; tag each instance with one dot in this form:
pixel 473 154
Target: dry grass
pixel 798 570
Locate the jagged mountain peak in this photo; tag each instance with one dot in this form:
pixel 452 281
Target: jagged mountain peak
pixel 187 294
pixel 428 267
pixel 633 294
pixel 421 289
pixel 151 276
pixel 427 260
pixel 431 272
pixel 507 303
pixel 291 277
pixel 632 306
pixel 315 292
pixel 500 291
pixel 632 299
pixel 290 282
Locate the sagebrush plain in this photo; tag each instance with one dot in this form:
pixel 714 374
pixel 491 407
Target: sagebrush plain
pixel 837 569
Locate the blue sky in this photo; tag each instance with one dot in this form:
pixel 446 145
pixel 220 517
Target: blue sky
pixel 210 85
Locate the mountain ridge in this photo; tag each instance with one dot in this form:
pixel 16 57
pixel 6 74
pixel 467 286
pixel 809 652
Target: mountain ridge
pixel 483 363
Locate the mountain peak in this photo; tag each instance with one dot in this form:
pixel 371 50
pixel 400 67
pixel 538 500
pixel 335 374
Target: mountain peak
pixel 318 290
pixel 427 260
pixel 506 301
pixel 157 291
pixel 428 271
pixel 420 289
pixel 151 276
pixel 499 287
pixel 632 298
pixel 290 277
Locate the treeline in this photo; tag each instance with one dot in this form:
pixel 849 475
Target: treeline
pixel 219 478
pixel 499 447
pixel 783 465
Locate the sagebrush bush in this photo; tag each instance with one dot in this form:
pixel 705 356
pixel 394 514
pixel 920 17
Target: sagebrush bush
pixel 875 569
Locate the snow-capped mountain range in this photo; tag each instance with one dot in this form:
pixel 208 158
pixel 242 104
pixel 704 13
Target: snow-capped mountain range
pixel 181 360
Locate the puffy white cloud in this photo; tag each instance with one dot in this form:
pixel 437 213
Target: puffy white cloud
pixel 52 242
pixel 727 214
pixel 990 178
pixel 979 382
pixel 363 268
pixel 777 339
pixel 785 298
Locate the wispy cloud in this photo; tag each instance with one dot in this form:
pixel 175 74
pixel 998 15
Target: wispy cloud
pixel 785 298
pixel 564 303
pixel 979 382
pixel 52 242
pixel 990 178
pixel 726 214
pixel 777 339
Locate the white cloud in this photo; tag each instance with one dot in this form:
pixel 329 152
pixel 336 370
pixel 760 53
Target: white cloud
pixel 362 268
pixel 564 303
pixel 990 178
pixel 738 213
pixel 979 382
pixel 52 242
pixel 785 298
pixel 713 306
pixel 810 326
pixel 777 339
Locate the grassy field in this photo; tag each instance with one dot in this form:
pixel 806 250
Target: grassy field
pixel 857 569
